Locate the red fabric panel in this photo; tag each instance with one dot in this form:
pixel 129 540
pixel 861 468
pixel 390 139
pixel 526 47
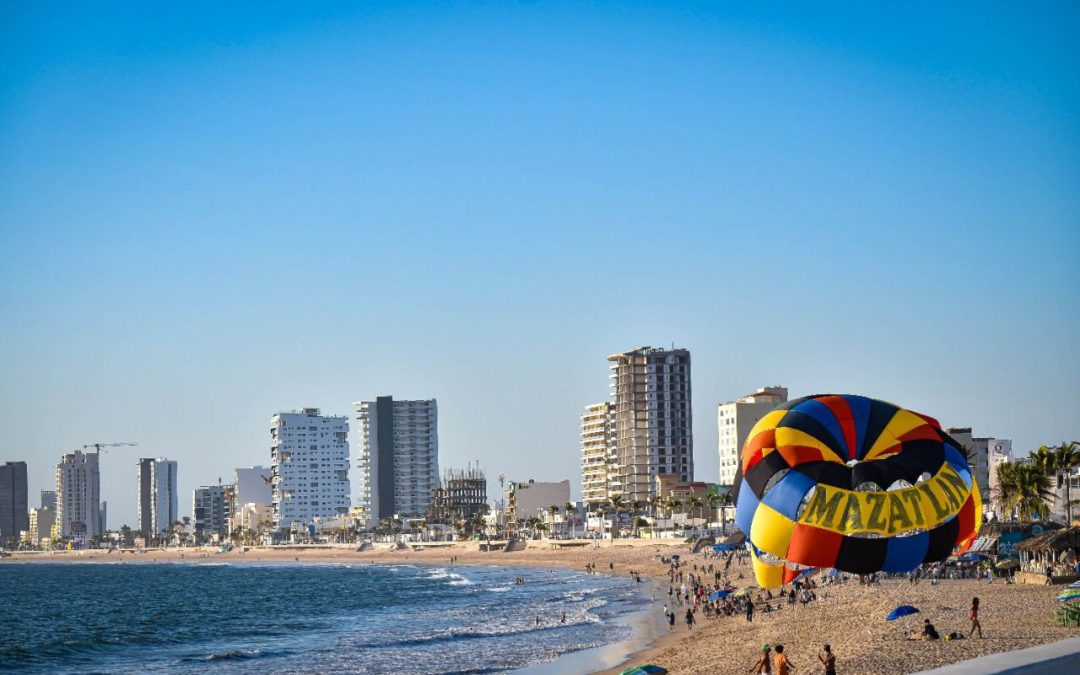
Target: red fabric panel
pixel 751 451
pixel 813 546
pixel 842 411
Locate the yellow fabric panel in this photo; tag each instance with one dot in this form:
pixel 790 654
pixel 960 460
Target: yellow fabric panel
pixel 901 423
pixel 768 576
pixel 978 503
pixel 888 512
pixel 786 436
pixel 771 530
pixel 770 420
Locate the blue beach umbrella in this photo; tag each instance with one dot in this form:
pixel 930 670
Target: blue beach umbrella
pixel 973 557
pixel 901 611
pixel 719 595
pixel 647 669
pixel 1070 594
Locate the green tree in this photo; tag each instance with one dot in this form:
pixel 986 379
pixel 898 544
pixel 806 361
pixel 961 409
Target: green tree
pixel 1025 488
pixel 1066 457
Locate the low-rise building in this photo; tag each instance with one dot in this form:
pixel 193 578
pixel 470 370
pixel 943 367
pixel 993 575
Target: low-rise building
pixel 461 495
pixel 41 524
pixel 526 500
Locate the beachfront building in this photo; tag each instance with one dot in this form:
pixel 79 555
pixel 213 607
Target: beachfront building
pixel 460 496
pixel 48 499
pixel 736 418
pixel 398 457
pixel 652 419
pixel 252 489
pixel 309 456
pixel 208 509
pixel 78 495
pixel 978 456
pixel 159 500
pixel 41 525
pixel 598 458
pixel 533 498
pixel 14 517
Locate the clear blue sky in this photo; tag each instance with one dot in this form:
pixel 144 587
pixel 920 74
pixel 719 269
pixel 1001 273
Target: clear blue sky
pixel 210 214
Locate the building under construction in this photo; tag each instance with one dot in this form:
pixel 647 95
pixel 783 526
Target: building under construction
pixel 461 495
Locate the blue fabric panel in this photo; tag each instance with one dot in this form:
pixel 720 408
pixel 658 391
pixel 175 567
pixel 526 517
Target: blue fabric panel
pixel 745 508
pixel 958 463
pixel 823 414
pixel 860 410
pixel 906 553
pixel 788 492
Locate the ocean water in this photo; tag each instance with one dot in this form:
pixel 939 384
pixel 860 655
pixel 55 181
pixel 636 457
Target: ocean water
pixel 301 618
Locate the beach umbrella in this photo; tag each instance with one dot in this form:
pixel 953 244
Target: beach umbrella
pixel 1075 584
pixel 901 611
pixel 973 557
pixel 1069 594
pixel 647 669
pixel 1007 564
pixel 719 595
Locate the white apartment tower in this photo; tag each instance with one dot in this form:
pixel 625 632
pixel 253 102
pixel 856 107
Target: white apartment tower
pixel 736 418
pixel 653 422
pixel 398 458
pixel 597 452
pixel 158 498
pixel 309 455
pixel 78 495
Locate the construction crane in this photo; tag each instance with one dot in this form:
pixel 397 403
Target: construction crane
pixel 99 446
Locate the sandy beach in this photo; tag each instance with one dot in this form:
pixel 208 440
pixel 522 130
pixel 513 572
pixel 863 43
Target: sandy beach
pixel 850 617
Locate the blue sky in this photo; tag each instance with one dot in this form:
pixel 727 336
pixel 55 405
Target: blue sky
pixel 210 214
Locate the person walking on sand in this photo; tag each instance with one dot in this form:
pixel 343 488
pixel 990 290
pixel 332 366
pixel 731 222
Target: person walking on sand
pixel 671 621
pixel 749 610
pixel 973 614
pixel 689 619
pixel 828 659
pixel 780 659
pixel 764 663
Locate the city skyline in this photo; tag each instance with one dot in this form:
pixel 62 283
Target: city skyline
pixel 208 215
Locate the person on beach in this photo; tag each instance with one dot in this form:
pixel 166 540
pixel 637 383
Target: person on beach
pixel 671 621
pixel 749 610
pixel 928 632
pixel 828 659
pixel 764 663
pixel 973 614
pixel 689 619
pixel 780 659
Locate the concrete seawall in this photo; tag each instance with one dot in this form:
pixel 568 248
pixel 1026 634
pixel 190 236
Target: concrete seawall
pixel 1055 658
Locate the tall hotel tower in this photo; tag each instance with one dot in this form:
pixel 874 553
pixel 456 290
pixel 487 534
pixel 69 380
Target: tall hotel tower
pixel 652 419
pixel 158 498
pixel 78 495
pixel 399 457
pixel 309 455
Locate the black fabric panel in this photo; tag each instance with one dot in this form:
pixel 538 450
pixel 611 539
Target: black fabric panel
pixel 928 455
pixel 861 556
pixel 758 476
pixel 880 414
pixel 879 471
pixel 908 467
pixel 942 540
pixel 795 419
pixel 828 473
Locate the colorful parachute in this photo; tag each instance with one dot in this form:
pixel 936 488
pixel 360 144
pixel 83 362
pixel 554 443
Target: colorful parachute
pixel 855 484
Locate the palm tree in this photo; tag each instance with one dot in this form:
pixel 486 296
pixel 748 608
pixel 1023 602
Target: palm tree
pixel 616 502
pixel 1066 457
pixel 568 509
pixel 695 503
pixel 554 511
pixel 1025 488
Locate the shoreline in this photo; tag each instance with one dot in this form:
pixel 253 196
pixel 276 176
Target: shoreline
pixel 848 616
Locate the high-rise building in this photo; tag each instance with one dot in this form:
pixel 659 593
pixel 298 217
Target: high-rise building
pixel 653 419
pixel 736 418
pixel 309 467
pixel 48 499
pixel 209 511
pixel 14 517
pixel 78 495
pixel 398 458
pixel 158 497
pixel 598 453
